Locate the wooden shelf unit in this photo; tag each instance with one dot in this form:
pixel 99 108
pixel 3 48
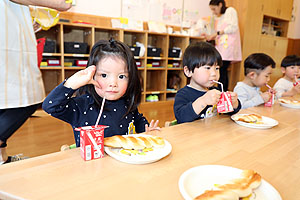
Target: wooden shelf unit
pixel 274 26
pixel 154 79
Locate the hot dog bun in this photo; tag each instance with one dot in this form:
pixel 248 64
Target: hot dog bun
pixel 134 142
pixel 242 187
pixel 218 195
pixel 249 118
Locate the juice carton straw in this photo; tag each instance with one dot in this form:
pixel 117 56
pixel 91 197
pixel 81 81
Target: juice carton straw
pixel 268 86
pixel 222 89
pixel 100 113
pixel 220 84
pixel 296 81
pixel 271 101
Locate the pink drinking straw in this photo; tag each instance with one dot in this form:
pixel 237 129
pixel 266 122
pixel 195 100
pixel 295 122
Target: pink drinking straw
pixel 101 110
pixel 268 86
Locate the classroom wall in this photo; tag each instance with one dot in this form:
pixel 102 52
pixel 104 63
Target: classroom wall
pixel 294 25
pixel 172 12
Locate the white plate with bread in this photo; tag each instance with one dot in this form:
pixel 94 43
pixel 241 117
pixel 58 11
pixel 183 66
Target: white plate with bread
pixel 289 103
pixel 224 182
pixel 137 148
pixel 254 121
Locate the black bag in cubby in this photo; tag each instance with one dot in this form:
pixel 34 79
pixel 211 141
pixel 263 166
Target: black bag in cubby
pixel 135 50
pixel 50 46
pixel 153 52
pixel 174 53
pixel 76 47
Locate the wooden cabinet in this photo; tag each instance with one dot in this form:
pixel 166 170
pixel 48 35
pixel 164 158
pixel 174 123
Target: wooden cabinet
pixel 276 47
pixel 264 26
pixel 155 79
pixel 278 8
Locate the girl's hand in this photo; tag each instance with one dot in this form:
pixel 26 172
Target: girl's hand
pixel 212 97
pixel 152 126
pixel 234 99
pixel 81 78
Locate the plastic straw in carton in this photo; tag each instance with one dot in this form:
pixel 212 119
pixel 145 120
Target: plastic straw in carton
pixel 220 84
pixel 223 91
pixel 268 86
pixel 97 122
pixel 101 110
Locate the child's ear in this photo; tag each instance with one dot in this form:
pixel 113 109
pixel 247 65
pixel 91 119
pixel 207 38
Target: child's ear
pixel 252 75
pixel 283 69
pixel 187 72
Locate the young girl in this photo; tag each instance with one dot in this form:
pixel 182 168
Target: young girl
pixel 197 100
pixel 111 74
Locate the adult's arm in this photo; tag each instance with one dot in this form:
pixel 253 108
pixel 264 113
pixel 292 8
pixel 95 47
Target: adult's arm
pixel 60 5
pixel 231 19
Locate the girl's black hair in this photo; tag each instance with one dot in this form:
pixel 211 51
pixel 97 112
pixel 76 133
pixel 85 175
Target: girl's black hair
pixel 257 62
pixel 113 48
pixel 200 54
pixel 291 60
pixel 217 2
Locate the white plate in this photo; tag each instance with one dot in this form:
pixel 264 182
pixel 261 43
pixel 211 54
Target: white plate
pixel 196 180
pixel 290 105
pixel 267 122
pixel 151 156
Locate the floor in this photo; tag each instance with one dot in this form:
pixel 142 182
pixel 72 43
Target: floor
pixel 42 134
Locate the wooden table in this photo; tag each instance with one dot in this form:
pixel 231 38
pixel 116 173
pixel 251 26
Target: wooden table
pixel 274 153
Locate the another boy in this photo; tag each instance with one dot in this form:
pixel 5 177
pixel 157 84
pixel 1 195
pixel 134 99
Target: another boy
pixel 198 100
pixel 257 70
pixel 288 85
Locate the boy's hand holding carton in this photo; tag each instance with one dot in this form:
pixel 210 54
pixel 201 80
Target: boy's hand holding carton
pixel 269 96
pixel 227 101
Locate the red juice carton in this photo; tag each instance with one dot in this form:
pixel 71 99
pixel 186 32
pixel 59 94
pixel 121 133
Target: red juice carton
pixel 270 102
pixel 91 142
pixel 225 104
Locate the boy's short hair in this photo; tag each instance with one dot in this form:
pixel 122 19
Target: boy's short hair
pixel 291 60
pixel 257 62
pixel 200 54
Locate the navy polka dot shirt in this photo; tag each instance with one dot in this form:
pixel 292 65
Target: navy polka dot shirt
pixel 82 111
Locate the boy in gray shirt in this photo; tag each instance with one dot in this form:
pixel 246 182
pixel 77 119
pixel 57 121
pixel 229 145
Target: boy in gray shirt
pixel 257 69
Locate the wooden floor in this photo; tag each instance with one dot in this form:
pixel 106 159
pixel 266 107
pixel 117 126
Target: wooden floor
pixel 42 134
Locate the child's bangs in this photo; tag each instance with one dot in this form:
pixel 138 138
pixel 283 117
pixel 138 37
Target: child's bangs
pixel 209 58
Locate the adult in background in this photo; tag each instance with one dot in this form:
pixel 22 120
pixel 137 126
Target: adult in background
pixel 226 36
pixel 21 84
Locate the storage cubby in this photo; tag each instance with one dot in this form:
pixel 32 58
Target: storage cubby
pixel 177 45
pixel 107 33
pixel 131 37
pixel 274 27
pixel 70 72
pixel 75 61
pixel 175 80
pixel 154 79
pixel 77 39
pixel 51 78
pixel 156 63
pixel 53 35
pixel 157 40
